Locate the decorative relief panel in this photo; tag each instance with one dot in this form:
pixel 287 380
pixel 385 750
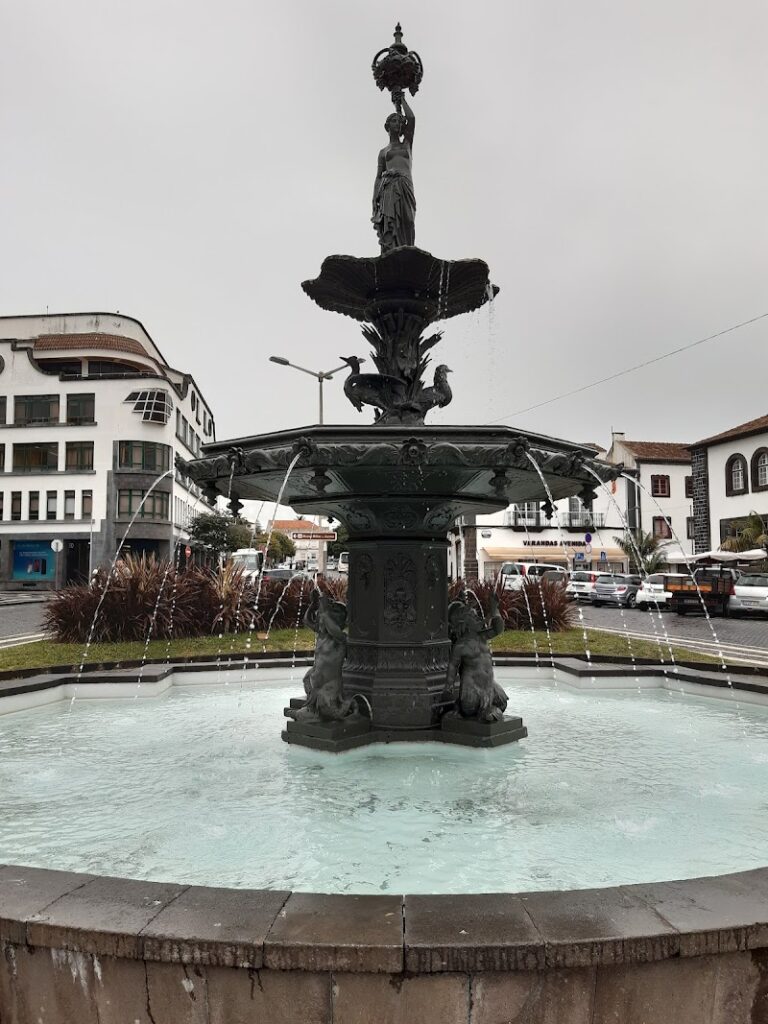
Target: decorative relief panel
pixel 400 594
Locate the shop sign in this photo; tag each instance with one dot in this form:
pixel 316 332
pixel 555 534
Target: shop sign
pixel 33 560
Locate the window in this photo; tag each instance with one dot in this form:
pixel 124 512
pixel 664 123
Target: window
pixel 153 406
pixel 689 521
pixel 34 504
pixel 50 505
pixel 144 455
pixel 155 507
pixel 79 455
pixel 16 505
pixel 81 408
pixel 35 458
pixel 29 410
pixel 689 487
pixel 760 470
pixel 736 475
pixel 69 504
pixel 2 502
pixel 2 458
pixel 660 486
pixel 87 507
pixel 662 527
pixel 2 410
pixel 113 368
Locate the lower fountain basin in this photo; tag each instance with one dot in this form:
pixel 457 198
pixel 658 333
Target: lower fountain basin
pixel 613 786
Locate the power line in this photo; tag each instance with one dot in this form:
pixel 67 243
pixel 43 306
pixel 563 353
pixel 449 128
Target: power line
pixel 630 369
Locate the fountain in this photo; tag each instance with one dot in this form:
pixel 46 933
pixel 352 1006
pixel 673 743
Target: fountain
pixel 162 772
pixel 412 668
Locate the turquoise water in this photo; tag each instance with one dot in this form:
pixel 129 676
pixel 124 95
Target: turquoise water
pixel 197 787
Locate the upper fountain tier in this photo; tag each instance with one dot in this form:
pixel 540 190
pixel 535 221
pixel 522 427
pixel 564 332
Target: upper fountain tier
pixel 367 287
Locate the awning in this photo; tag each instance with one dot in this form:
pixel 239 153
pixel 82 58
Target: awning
pixel 550 553
pixel 755 555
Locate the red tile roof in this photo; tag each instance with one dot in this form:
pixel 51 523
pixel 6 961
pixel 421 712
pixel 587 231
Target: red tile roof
pixel 659 451
pixel 112 342
pixel 298 525
pixel 743 430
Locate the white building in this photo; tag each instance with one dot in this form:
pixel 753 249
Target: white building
pixel 730 481
pixel 90 415
pixel 660 502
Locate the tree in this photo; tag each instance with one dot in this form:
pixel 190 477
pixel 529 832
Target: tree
pixel 652 551
pixel 280 546
pixel 335 547
pixel 751 534
pixel 220 532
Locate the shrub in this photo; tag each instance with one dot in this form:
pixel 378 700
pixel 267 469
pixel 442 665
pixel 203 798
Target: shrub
pixel 522 608
pixel 145 597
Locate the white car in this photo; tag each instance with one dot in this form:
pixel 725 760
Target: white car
pixel 750 593
pixel 581 584
pixel 513 574
pixel 653 593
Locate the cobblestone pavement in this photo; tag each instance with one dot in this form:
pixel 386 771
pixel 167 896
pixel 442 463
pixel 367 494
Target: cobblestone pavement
pixel 739 638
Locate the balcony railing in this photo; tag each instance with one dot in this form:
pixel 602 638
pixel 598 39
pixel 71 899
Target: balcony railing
pixel 567 520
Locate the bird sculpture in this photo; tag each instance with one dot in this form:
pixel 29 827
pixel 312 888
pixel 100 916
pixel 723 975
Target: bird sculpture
pixel 390 395
pixel 439 394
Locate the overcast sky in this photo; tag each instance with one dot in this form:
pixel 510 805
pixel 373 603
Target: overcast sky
pixel 190 163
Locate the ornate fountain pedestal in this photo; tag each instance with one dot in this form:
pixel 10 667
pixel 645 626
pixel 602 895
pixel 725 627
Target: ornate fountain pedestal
pixel 398 490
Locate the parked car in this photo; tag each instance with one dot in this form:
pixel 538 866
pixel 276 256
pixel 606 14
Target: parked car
pixel 750 593
pixel 581 585
pixel 655 592
pixel 331 564
pixel 513 574
pixel 343 563
pixel 620 590
pixel 556 576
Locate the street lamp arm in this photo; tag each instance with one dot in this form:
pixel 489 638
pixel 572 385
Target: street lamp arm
pixel 329 373
pixel 312 373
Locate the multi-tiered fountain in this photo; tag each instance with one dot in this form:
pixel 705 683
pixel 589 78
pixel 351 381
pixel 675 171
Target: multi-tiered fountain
pixel 411 668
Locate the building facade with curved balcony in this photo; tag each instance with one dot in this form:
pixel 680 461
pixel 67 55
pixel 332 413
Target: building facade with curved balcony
pixel 91 414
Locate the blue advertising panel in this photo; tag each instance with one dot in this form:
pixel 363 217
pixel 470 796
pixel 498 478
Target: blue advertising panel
pixel 33 560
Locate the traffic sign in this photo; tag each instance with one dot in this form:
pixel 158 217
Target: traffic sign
pixel 588 548
pixel 588 538
pixel 57 545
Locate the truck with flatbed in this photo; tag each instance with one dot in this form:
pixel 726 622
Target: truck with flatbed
pixel 710 589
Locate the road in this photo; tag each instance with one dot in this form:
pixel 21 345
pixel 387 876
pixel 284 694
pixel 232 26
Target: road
pixel 739 639
pixel 20 623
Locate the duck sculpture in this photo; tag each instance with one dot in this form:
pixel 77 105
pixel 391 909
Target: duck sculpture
pixel 393 399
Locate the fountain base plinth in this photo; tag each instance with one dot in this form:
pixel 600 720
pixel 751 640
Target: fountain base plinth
pixel 470 732
pixel 359 731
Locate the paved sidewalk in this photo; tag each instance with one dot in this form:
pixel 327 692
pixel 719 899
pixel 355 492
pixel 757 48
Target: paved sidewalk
pixel 12 597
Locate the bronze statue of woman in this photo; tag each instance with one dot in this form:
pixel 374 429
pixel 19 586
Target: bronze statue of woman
pixel 394 202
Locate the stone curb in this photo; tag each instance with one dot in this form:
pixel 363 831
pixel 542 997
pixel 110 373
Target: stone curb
pixel 168 923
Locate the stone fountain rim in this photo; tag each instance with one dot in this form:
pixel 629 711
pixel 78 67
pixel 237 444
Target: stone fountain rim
pixel 412 934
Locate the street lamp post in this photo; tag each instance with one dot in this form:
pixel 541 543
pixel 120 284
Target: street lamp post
pixel 320 376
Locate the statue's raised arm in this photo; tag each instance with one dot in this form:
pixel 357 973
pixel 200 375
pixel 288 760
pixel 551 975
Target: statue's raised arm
pixel 410 120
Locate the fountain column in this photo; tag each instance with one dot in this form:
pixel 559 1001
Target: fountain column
pixel 398 647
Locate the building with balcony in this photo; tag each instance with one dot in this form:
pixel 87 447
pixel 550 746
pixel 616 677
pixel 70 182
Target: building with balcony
pixel 91 415
pixel 657 498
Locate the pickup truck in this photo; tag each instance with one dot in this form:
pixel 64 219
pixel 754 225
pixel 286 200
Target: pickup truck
pixel 714 589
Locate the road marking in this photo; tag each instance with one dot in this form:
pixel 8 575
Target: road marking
pixel 17 641
pixel 734 652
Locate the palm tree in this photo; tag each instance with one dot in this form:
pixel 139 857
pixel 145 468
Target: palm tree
pixel 751 535
pixel 650 549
